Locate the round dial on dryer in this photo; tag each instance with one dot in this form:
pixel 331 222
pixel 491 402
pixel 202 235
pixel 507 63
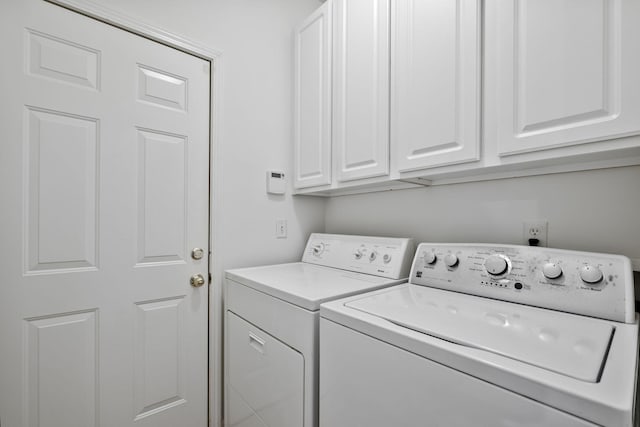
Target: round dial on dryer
pixel 451 260
pixel 358 253
pixel 551 270
pixel 386 258
pixel 496 265
pixel 590 274
pixel 317 249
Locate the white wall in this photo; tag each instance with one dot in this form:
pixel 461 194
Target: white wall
pixel 595 211
pixel 254 133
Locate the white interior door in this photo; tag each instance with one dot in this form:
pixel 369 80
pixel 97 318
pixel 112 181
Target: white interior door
pixel 104 160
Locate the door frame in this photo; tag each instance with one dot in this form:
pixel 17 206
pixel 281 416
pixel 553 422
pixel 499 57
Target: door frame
pixel 126 23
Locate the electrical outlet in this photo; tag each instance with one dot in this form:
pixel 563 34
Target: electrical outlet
pixel 281 228
pixel 535 230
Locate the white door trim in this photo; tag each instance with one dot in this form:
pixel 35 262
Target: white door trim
pixel 112 17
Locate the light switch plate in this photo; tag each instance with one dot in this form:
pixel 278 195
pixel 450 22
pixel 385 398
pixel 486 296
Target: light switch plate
pixel 281 228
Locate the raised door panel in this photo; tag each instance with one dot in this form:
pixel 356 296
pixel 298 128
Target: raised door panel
pixel 159 375
pixel 62 60
pixel 61 370
pixel 435 91
pixel 162 189
pixel 61 173
pixel 361 89
pixel 566 72
pixel 312 142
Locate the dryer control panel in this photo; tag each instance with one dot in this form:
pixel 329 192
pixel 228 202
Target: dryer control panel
pixel 591 284
pixel 378 256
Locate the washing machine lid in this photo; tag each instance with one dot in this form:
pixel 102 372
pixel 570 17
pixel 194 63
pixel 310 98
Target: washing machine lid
pixel 307 285
pixel 571 345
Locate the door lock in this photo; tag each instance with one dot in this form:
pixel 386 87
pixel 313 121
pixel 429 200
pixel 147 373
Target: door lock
pixel 197 253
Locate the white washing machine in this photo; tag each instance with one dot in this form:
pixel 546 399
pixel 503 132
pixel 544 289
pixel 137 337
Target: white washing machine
pixel 487 336
pixel 272 323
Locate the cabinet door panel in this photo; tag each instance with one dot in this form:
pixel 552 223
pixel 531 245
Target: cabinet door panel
pixel 567 72
pixel 435 93
pixel 361 88
pixel 312 142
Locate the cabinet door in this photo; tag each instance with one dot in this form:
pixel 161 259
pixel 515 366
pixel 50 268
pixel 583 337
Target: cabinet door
pixel 312 141
pixel 361 89
pixel 567 72
pixel 435 75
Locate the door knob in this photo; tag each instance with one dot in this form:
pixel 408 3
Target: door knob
pixel 197 280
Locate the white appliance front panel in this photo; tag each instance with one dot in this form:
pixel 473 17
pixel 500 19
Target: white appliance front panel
pixel 585 283
pixel 570 345
pixel 609 402
pixel 265 375
pixel 379 256
pixel 288 323
pixel 365 382
pixel 307 285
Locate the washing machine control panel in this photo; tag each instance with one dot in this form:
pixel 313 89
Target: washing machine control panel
pixel 379 256
pixel 591 284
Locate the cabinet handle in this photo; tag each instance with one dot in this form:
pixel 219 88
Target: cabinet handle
pixel 256 343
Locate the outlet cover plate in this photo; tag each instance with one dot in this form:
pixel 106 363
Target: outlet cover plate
pixel 535 230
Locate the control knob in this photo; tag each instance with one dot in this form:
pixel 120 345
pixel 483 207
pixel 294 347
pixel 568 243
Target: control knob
pixel 317 249
pixel 429 257
pixel 496 265
pixel 551 270
pixel 590 274
pixel 358 253
pixel 386 258
pixel 451 260
pixel 373 255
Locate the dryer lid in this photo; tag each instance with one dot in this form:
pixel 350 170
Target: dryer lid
pixel 307 285
pixel 568 344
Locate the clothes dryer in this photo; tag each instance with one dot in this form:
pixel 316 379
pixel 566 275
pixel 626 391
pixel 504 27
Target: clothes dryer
pixel 272 323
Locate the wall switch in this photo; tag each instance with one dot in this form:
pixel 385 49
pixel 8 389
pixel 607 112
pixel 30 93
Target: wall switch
pixel 534 233
pixel 281 228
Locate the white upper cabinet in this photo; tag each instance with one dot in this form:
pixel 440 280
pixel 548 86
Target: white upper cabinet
pixel 436 78
pixel 312 141
pixel 361 89
pixel 392 92
pixel 567 72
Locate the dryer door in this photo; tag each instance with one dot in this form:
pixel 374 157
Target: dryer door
pixel 266 378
